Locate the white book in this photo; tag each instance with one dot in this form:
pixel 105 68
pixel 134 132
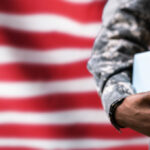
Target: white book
pixel 141 72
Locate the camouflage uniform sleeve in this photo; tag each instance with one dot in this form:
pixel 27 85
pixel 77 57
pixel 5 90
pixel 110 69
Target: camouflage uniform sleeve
pixel 124 32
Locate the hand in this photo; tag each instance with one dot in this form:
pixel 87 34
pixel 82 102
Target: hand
pixel 134 113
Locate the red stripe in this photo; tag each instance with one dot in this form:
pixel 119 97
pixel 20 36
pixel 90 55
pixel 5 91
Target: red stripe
pixel 36 72
pixel 52 102
pixel 134 147
pixel 65 131
pixel 42 41
pixel 86 12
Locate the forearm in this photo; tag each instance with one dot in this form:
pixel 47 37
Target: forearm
pixel 117 87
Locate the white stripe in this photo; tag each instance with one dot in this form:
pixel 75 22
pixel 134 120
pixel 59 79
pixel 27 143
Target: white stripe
pixel 71 144
pixel 61 117
pixel 56 56
pixel 28 89
pixel 48 23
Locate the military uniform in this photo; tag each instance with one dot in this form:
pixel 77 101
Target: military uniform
pixel 125 31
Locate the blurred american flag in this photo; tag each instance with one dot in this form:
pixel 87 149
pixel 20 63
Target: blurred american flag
pixel 48 99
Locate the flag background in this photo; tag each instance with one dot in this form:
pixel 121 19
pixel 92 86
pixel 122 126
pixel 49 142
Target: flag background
pixel 48 99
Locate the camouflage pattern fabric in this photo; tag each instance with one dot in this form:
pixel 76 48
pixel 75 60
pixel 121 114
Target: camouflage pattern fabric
pixel 125 31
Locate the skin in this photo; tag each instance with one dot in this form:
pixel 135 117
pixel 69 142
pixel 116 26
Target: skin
pixel 134 113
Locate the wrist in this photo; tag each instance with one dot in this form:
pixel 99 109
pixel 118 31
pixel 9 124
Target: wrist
pixel 119 116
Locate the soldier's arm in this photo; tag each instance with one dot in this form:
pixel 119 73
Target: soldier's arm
pixel 124 32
